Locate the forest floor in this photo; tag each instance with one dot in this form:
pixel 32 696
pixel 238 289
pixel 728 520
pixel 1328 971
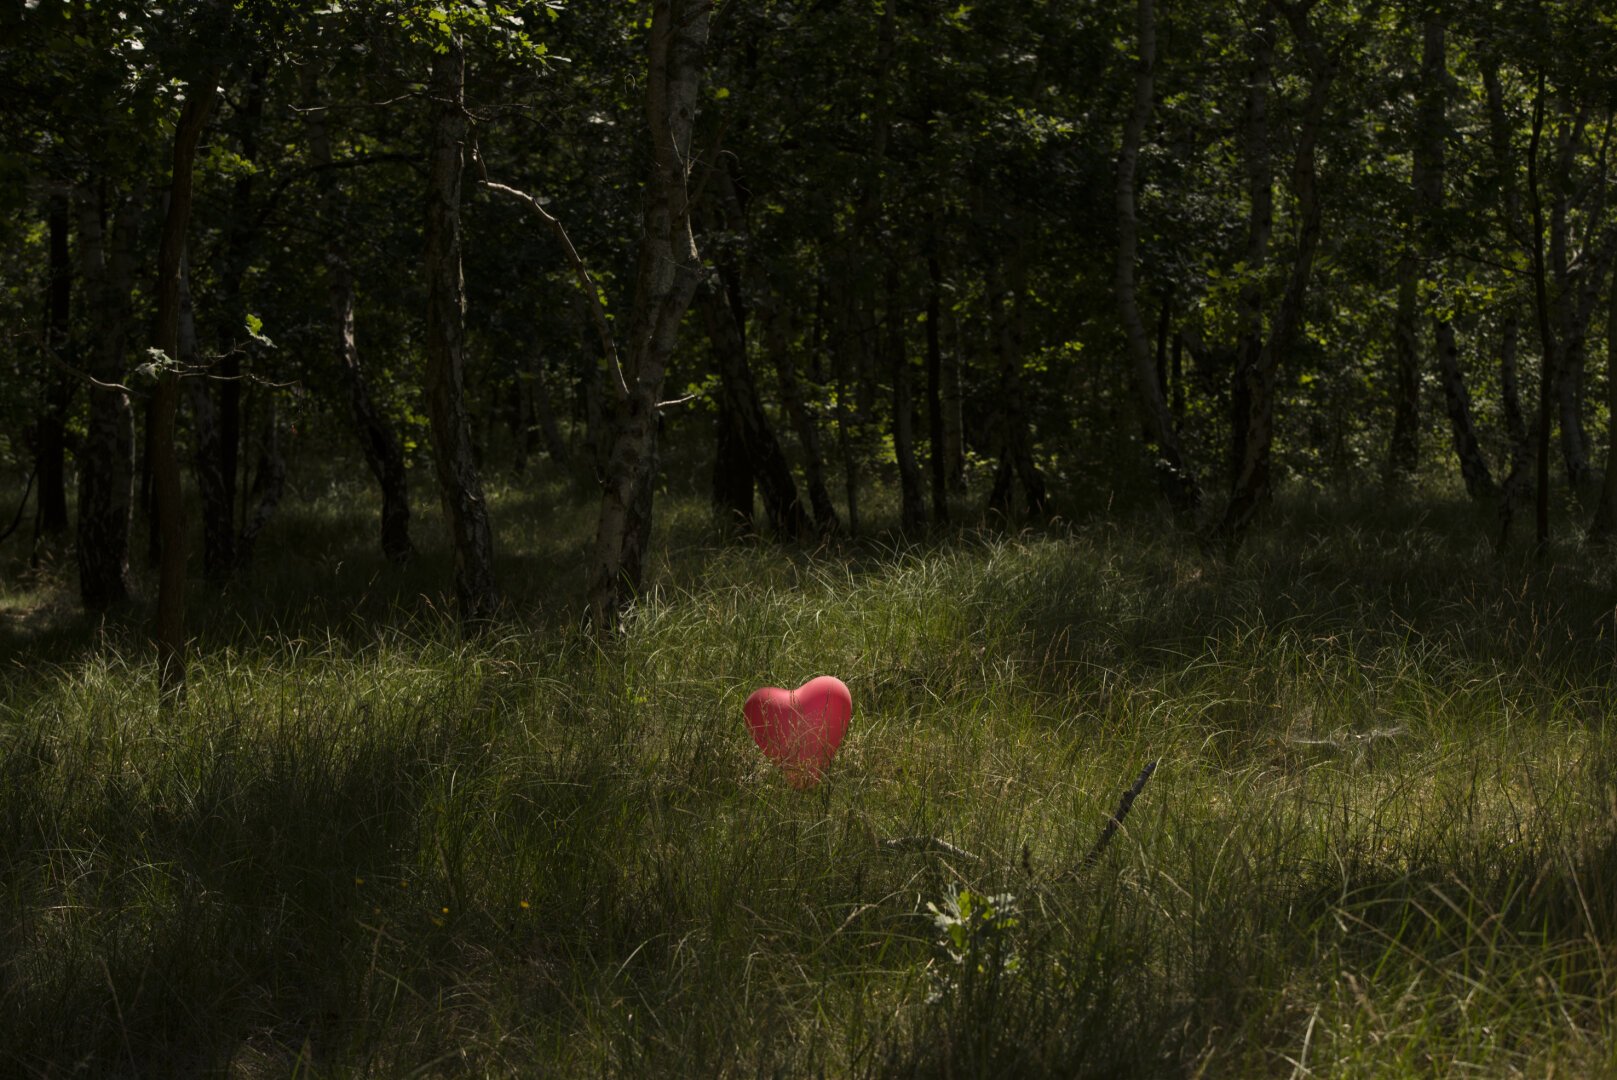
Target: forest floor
pixel 1381 838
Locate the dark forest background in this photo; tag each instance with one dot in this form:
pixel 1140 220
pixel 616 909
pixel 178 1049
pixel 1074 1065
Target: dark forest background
pixel 474 402
pixel 1003 257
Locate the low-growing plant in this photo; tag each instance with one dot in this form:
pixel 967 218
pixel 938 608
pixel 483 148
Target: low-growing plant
pixel 975 946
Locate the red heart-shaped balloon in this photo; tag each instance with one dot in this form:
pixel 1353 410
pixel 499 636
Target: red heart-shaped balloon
pixel 800 729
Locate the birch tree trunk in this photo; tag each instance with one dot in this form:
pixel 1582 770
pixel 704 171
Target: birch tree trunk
pixel 107 460
pixel 668 270
pixel 169 623
pixel 1174 475
pixel 459 484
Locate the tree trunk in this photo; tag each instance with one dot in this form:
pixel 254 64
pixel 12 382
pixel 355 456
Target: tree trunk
pixel 1252 487
pixel 1403 454
pixel 220 441
pixel 147 506
pixel 1547 341
pixel 384 455
pixel 1178 371
pixel 1566 386
pixel 1259 163
pixel 107 461
pixel 952 396
pixel 777 342
pixel 762 453
pixel 668 270
pixel 541 413
pixel 1584 288
pixel 1174 475
pixel 1604 527
pixel 1479 483
pixel 1514 492
pixel 1500 130
pixel 912 504
pixel 51 437
pixel 269 482
pixel 733 488
pixel 936 425
pixel 1428 180
pixel 218 511
pixel 846 365
pixel 1569 410
pixel 589 394
pixel 169 623
pixel 999 495
pixel 1006 303
pixel 459 485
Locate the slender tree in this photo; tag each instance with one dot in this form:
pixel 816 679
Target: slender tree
pixel 384 455
pixel 51 433
pixel 777 343
pixel 668 270
pixel 107 460
pixel 1253 479
pixel 1174 474
pixel 1428 178
pixel 912 503
pixel 169 623
pixel 459 484
pixel 1604 527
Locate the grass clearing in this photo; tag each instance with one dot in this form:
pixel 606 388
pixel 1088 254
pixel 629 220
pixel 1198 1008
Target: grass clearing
pixel 1382 838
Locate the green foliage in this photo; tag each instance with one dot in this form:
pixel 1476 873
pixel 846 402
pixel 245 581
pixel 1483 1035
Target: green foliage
pixel 975 936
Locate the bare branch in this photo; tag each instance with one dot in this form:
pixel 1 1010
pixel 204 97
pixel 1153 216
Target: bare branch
pixel 679 400
pixel 91 379
pixel 586 283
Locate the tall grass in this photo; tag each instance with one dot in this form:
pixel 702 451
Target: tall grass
pixel 1382 838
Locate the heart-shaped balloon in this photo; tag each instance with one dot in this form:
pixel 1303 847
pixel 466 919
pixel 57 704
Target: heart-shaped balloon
pixel 800 729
